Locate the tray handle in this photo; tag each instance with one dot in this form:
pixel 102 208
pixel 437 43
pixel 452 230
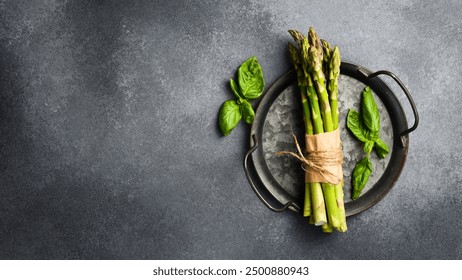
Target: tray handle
pixel 252 184
pixel 409 98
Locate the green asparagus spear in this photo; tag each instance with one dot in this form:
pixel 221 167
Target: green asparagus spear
pixel 327 55
pixel 295 56
pixel 334 73
pixel 298 37
pixel 312 95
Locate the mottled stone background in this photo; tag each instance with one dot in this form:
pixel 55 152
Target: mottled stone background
pixel 109 145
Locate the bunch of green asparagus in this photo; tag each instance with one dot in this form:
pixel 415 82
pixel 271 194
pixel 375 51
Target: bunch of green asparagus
pixel 317 65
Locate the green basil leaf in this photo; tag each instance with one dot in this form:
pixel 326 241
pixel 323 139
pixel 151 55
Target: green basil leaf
pixel 358 128
pixel 235 89
pixel 361 173
pixel 354 124
pixel 371 135
pixel 247 111
pixel 381 148
pixel 368 146
pixel 229 116
pixel 250 78
pixel 369 110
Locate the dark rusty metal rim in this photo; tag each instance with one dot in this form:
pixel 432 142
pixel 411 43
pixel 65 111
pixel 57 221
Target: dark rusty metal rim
pixel 275 197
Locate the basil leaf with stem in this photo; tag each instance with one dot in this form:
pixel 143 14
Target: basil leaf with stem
pixel 355 126
pixel 250 78
pixel 229 116
pixel 368 146
pixel 359 130
pixel 247 111
pixel 381 148
pixel 369 110
pixel 235 89
pixel 371 135
pixel 361 173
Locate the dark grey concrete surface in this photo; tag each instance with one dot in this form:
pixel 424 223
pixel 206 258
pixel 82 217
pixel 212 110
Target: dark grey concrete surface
pixel 109 146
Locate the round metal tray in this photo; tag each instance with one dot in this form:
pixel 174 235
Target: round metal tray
pixel 278 180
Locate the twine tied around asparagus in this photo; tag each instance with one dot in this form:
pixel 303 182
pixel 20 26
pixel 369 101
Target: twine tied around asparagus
pixel 321 163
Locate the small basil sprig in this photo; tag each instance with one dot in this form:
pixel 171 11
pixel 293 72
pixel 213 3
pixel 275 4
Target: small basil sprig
pixel 251 86
pixel 366 128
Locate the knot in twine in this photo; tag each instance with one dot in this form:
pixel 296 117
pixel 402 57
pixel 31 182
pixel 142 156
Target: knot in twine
pixel 320 165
